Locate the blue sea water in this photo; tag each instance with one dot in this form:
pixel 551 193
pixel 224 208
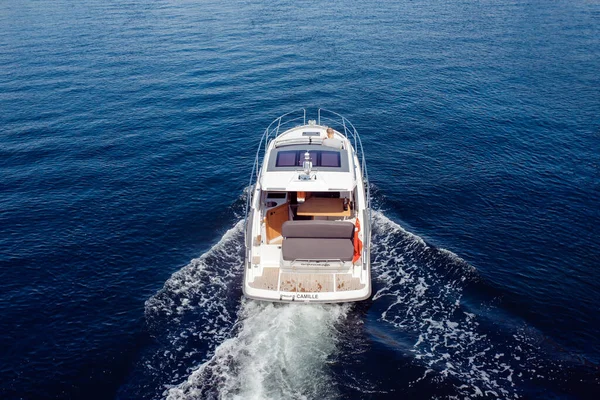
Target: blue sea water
pixel 127 136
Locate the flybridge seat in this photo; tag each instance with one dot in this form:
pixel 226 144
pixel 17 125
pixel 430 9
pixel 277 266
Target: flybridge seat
pixel 317 240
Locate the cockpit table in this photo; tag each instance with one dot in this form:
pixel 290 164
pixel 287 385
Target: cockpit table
pixel 323 207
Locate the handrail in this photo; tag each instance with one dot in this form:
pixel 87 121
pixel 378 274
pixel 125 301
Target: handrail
pixel 294 117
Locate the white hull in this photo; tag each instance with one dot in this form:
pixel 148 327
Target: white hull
pixel 308 225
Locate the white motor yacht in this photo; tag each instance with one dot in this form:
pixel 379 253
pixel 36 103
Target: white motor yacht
pixel 308 219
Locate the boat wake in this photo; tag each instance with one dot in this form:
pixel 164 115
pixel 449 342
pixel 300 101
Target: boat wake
pixel 424 294
pixel 420 295
pixel 279 352
pixel 211 343
pixel 196 310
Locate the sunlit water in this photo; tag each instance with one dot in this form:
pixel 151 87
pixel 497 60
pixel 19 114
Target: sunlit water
pixel 127 136
pixel 213 345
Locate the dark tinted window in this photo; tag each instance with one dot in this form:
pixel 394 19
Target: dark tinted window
pixel 330 159
pixel 286 158
pixel 295 158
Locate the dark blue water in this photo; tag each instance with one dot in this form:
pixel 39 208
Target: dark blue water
pixel 127 132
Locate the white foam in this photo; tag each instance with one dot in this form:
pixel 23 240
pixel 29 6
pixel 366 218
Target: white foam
pixel 422 289
pixel 279 351
pixel 195 306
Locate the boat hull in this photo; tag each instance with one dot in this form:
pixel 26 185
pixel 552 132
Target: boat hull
pixel 308 220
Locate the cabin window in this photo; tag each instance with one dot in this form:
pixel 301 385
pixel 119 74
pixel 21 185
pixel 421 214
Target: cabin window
pixel 330 159
pixel 287 158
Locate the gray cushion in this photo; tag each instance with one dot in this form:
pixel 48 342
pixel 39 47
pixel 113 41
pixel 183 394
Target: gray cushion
pixel 317 249
pixel 333 142
pixel 317 229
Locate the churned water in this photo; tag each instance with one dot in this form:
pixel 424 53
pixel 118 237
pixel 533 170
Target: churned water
pixel 127 136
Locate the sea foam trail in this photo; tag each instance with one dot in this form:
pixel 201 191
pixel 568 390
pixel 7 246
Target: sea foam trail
pixel 279 352
pixel 419 293
pixel 196 309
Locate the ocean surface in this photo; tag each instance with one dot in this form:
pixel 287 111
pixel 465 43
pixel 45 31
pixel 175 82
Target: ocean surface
pixel 127 135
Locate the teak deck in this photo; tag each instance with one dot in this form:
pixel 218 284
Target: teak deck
pixel 309 283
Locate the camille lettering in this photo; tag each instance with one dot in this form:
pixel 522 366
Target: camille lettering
pixel 307 296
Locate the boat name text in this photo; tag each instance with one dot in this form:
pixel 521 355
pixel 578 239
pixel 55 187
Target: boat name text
pixel 307 296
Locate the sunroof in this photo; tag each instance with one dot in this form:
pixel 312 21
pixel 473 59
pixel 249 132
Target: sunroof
pixel 330 159
pixel 295 158
pixel 287 158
